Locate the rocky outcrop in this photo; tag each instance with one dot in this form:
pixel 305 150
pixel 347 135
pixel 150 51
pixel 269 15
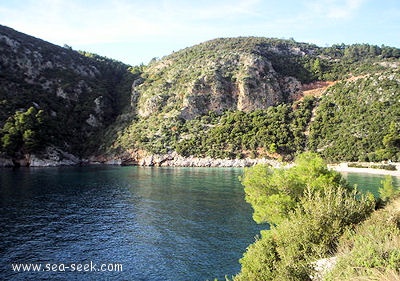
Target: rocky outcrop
pixel 323 267
pixel 180 161
pixel 141 158
pixel 100 160
pixel 6 162
pixel 223 74
pixel 256 85
pixel 51 158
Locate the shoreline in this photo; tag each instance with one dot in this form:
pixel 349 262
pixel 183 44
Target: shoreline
pixel 175 160
pixel 344 168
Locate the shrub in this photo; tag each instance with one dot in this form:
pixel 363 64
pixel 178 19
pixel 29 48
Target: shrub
pixel 260 260
pixel 372 250
pixel 311 231
pixel 273 193
pixel 322 208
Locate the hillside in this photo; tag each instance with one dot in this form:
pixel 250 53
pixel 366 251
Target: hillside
pixel 359 119
pixel 54 96
pixel 245 97
pixel 260 97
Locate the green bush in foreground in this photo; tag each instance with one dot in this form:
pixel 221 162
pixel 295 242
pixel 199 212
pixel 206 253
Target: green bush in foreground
pixel 321 208
pixel 310 232
pixel 274 193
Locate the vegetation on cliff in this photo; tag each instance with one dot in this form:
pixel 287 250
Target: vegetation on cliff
pixel 371 249
pixel 359 119
pixel 224 98
pixel 243 97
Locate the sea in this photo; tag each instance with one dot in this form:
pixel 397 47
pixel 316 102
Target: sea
pixel 128 223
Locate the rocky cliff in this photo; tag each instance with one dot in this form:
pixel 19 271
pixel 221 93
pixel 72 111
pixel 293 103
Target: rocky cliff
pixel 260 97
pixel 219 75
pixel 230 98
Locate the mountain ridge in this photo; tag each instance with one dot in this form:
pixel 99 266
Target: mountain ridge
pixel 243 97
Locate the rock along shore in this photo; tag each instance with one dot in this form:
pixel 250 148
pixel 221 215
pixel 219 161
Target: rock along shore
pixel 55 157
pixel 175 160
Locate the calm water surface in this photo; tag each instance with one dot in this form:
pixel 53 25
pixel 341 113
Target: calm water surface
pixel 159 223
pixel 368 182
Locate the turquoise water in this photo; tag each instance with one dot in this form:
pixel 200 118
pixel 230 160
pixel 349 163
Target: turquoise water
pixel 368 182
pixel 158 223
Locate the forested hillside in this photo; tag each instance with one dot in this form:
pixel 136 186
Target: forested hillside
pixel 245 97
pixel 359 119
pixel 259 97
pixel 54 96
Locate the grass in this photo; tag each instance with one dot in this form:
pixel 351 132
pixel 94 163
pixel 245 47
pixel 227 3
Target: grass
pixel 371 251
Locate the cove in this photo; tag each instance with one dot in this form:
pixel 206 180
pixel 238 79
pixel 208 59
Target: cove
pixel 159 223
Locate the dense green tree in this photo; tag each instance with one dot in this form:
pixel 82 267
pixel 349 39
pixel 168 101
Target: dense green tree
pixel 388 191
pixel 274 193
pixel 25 131
pixel 277 130
pixel 391 142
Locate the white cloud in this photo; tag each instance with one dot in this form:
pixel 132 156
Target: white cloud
pixel 87 22
pixel 335 9
pixel 130 27
pixel 344 10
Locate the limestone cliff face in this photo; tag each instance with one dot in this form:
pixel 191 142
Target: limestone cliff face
pixel 215 76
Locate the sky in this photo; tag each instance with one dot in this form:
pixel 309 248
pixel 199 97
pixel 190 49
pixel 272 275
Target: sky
pixel 135 31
